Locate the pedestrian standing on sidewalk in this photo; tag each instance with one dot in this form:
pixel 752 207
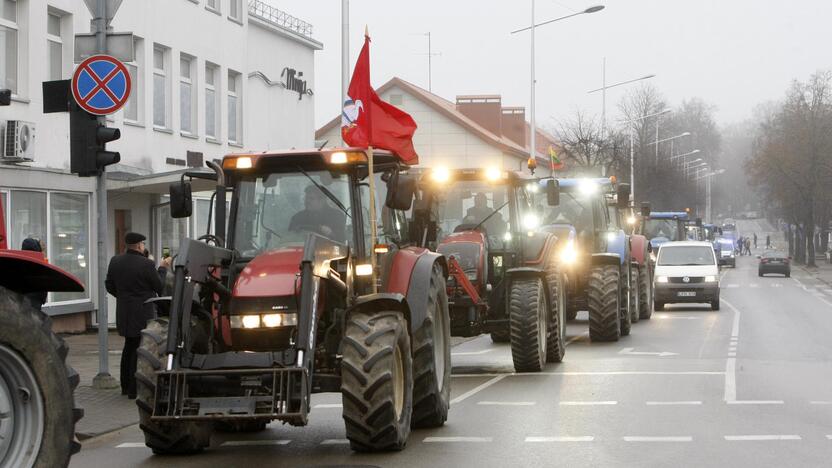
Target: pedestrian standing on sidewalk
pixel 132 278
pixel 748 246
pixel 739 245
pixel 36 298
pixel 768 241
pixel 755 240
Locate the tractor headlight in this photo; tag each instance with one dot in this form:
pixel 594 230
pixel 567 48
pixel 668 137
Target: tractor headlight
pixel 611 236
pixel 440 174
pixel 364 269
pixel 569 254
pixel 661 279
pixel 264 321
pixel 250 321
pixel 631 220
pixel 531 221
pixel 587 187
pixel 507 237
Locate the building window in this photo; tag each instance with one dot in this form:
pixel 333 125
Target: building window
pixel 161 94
pixel 27 217
pixel 234 112
pixel 187 97
pixel 133 109
pixel 234 9
pixel 8 45
pixel 212 101
pixel 54 46
pixel 69 219
pixel 213 5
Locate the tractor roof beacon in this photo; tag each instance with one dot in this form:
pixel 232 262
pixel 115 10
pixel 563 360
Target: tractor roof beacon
pixel 35 380
pixel 600 268
pixel 290 304
pixel 504 275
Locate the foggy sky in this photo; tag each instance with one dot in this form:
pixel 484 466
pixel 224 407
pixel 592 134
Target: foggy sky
pixel 734 54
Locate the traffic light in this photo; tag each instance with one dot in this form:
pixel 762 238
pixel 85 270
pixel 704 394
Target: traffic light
pixel 88 143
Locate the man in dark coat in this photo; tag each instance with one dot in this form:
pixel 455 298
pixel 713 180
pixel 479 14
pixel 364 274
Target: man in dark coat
pixel 132 279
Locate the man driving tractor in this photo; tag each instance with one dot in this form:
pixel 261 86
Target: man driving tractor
pixel 318 216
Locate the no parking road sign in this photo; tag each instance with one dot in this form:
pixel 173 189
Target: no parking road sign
pixel 101 85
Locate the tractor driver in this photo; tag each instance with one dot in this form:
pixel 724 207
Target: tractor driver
pixel 317 216
pixel 480 211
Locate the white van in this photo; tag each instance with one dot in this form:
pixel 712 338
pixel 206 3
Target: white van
pixel 686 272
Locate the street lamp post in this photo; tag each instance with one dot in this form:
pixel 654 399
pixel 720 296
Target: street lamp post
pixel 532 124
pixel 604 87
pixel 664 140
pixel 707 178
pixel 632 151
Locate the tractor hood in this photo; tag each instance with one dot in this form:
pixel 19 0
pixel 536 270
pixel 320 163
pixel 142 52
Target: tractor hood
pixel 270 274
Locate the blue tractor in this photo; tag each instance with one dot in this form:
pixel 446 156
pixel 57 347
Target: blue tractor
pixel 595 253
pixel 665 226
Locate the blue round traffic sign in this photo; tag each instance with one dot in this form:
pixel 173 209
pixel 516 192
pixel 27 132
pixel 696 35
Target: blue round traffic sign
pixel 101 84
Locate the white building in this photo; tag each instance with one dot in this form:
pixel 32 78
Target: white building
pixel 210 77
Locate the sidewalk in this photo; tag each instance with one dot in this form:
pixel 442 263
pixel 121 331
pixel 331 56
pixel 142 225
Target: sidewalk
pixel 108 410
pixel 823 271
pixel 104 410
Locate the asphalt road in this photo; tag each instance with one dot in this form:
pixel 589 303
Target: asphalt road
pixel 750 385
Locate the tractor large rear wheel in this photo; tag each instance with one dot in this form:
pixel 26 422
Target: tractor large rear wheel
pixel 432 358
pixel 603 297
pixel 635 295
pixel 179 437
pixel 626 305
pixel 645 292
pixel 37 413
pixel 528 317
pixel 377 381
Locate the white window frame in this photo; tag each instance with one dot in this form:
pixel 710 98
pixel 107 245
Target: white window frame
pixel 232 4
pixel 191 81
pixel 137 84
pixel 215 72
pixel 52 39
pixel 216 8
pixel 237 94
pixel 165 74
pixel 88 288
pixel 15 25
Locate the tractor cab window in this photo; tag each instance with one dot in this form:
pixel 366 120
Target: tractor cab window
pixel 391 224
pixel 471 203
pixel 279 210
pixel 661 228
pixel 573 209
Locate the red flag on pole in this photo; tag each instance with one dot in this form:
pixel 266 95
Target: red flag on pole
pixel 368 121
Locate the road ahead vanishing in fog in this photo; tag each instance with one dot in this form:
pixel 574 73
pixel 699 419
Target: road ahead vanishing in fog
pixel 749 385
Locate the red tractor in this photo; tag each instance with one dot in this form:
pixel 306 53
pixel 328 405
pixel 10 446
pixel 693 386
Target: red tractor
pixel 37 411
pixel 301 297
pixel 504 273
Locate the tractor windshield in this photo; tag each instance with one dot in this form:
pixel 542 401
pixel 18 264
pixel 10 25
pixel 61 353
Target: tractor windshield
pixel 573 209
pixel 471 202
pixel 666 228
pixel 279 210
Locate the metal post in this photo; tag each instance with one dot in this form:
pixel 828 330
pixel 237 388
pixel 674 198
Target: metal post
pixel 604 99
pixel 373 223
pixel 632 166
pixel 345 52
pixel 532 145
pixel 103 379
pixel 430 69
pixel 708 198
pixel 657 141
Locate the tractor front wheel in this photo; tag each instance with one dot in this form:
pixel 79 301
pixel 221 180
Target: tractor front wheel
pixel 645 292
pixel 377 381
pixel 603 297
pixel 528 318
pixel 432 358
pixel 178 437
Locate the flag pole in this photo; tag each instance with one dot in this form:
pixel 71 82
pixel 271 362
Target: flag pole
pixel 373 224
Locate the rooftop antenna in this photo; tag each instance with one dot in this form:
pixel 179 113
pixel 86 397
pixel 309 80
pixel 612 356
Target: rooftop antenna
pixel 430 55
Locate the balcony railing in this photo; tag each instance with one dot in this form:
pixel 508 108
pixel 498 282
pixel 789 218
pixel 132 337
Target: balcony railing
pixel 281 19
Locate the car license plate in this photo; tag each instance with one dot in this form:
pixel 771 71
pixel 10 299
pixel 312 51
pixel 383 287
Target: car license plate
pixel 686 294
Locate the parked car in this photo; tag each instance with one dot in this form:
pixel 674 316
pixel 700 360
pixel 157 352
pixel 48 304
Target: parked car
pixel 686 272
pixel 774 262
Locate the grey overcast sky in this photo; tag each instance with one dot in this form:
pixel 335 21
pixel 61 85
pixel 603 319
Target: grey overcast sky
pixel 734 54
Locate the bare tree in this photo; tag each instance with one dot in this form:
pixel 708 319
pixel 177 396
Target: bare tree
pixel 586 147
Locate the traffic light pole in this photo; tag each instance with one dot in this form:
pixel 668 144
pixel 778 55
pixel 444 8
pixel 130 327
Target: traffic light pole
pixel 103 379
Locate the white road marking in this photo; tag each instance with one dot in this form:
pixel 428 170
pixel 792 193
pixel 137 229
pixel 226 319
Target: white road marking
pixel 478 389
pixel 730 379
pixel 588 403
pixel 755 402
pixel 506 403
pixel 132 445
pixel 472 353
pixel 672 403
pixel 776 285
pixel 329 405
pixel 763 437
pixel 335 442
pixel 630 352
pixel 547 374
pixel 561 439
pixel 730 286
pixel 734 354
pixel 657 439
pixel 820 402
pixel 457 439
pixel 251 443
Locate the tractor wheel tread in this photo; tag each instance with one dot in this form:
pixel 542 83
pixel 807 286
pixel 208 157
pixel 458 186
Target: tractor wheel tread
pixel 556 341
pixel 645 293
pixel 528 354
pixel 603 301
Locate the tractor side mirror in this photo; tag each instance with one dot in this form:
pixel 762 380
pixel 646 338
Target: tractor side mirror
pixel 623 195
pixel 645 209
pixel 552 192
pixel 181 202
pixel 400 192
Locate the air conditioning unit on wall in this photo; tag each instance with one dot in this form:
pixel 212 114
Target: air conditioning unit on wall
pixel 18 141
